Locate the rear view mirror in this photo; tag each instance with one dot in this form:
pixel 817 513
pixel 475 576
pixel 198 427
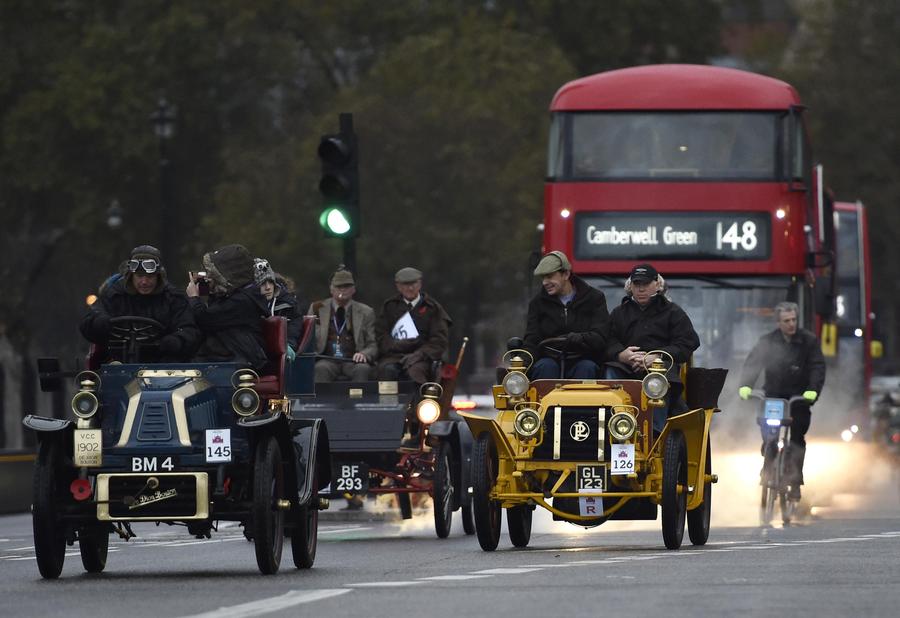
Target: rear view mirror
pixel 876 349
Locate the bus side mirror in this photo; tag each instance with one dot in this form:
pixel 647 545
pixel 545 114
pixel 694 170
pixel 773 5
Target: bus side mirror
pixel 829 340
pixel 876 349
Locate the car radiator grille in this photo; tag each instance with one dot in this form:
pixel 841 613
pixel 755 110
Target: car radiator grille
pixel 154 424
pixel 574 433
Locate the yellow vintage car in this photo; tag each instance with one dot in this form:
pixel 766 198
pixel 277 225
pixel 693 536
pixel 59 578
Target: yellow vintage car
pixel 584 450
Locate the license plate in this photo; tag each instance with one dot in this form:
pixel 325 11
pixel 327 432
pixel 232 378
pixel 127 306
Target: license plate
pixel 88 448
pixel 352 478
pixel 218 445
pixel 622 459
pixel 591 479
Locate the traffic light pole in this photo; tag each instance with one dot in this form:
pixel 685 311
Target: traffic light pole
pixel 350 255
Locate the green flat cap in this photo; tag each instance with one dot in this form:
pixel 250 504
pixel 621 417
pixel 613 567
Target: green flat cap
pixel 408 275
pixel 551 263
pixel 342 277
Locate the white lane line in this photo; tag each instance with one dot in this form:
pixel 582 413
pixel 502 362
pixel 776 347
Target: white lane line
pixel 505 571
pixel 28 548
pixel 549 566
pixel 336 531
pixel 385 584
pixel 25 558
pixel 451 578
pixel 272 604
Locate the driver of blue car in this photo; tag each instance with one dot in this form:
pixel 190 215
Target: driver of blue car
pixel 142 290
pixel 570 318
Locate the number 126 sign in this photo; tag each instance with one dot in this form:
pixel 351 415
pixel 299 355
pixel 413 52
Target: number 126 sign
pixel 622 459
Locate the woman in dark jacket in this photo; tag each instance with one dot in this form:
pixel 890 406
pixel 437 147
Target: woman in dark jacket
pixel 230 319
pixel 277 300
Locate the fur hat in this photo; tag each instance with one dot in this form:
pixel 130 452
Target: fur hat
pixel 262 271
pixel 230 267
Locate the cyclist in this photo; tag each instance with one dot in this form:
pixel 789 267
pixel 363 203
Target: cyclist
pixel 793 364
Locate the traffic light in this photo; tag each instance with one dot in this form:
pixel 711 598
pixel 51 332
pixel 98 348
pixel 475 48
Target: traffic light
pixel 339 184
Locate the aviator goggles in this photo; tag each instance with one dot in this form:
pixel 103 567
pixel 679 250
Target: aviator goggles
pixel 149 266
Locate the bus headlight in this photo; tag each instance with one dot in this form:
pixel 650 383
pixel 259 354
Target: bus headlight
pixel 245 401
pixel 428 411
pixel 85 404
pixel 527 423
pixel 622 426
pixel 515 383
pixel 655 385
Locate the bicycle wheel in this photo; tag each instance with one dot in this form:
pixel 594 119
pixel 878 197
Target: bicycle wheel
pixel 768 482
pixel 784 502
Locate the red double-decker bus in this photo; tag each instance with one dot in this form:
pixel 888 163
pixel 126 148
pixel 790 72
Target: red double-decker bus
pixel 706 172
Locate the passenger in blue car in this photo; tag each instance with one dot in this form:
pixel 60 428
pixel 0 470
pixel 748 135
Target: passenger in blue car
pixel 141 290
pixel 229 316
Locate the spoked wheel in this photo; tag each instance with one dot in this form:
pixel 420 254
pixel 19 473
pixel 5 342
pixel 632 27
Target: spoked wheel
pixel 443 492
pixel 405 504
pixel 305 535
pixel 468 522
pixel 49 532
pixel 518 519
pixel 268 518
pixel 93 543
pixel 698 519
pixel 487 512
pixel 674 489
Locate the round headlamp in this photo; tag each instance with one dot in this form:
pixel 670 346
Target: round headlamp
pixel 245 401
pixel 515 383
pixel 428 411
pixel 622 426
pixel 85 404
pixel 527 423
pixel 655 385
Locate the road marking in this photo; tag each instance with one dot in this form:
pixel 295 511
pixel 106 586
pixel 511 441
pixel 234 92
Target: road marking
pixel 337 530
pixel 505 571
pixel 450 578
pixel 393 584
pixel 272 604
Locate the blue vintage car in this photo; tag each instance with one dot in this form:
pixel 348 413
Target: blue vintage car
pixel 190 444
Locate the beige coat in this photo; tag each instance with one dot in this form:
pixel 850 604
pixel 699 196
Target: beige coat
pixel 362 320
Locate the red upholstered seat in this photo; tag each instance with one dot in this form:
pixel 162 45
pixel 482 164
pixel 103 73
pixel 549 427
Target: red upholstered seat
pixel 270 385
pixel 307 333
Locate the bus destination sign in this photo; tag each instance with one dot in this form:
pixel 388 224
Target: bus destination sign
pixel 672 236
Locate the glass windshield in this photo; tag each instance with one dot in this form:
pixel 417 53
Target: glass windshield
pixel 666 145
pixel 729 314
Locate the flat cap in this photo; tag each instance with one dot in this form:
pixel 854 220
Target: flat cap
pixel 551 263
pixel 342 277
pixel 408 275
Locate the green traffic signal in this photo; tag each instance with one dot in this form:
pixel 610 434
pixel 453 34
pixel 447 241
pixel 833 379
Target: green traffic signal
pixel 335 221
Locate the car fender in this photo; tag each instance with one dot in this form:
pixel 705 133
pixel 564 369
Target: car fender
pixel 46 425
pixel 312 456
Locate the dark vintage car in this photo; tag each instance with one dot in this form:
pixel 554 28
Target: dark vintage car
pixel 183 444
pixel 374 452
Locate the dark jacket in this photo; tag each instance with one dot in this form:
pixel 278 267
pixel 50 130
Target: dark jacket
pixel 287 306
pixel 790 367
pixel 661 325
pixel 232 328
pixel 167 305
pixel 586 315
pixel 431 321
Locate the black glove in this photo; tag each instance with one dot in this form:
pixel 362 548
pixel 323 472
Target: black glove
pixel 170 345
pixel 101 324
pixel 574 342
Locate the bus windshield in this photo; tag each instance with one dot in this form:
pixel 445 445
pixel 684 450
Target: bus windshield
pixel 667 145
pixel 729 314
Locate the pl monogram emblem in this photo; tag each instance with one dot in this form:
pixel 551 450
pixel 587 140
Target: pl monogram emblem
pixel 579 431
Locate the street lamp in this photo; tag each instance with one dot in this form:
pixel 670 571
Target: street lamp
pixel 163 120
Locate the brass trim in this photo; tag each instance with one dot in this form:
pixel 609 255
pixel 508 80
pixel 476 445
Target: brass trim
pixel 178 396
pixel 355 393
pixel 557 429
pixel 388 387
pixel 202 497
pixel 133 390
pixel 601 432
pixel 170 373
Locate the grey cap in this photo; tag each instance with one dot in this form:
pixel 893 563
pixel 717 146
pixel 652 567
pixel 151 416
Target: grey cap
pixel 342 277
pixel 408 275
pixel 551 263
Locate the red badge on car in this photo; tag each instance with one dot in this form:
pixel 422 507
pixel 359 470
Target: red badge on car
pixel 81 489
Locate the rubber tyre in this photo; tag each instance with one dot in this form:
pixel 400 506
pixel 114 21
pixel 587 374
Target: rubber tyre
pixel 93 543
pixel 784 504
pixel 674 504
pixel 405 503
pixel 305 535
pixel 468 521
pixel 49 532
pixel 442 490
pixel 698 519
pixel 487 512
pixel 268 519
pixel 518 520
pixel 769 493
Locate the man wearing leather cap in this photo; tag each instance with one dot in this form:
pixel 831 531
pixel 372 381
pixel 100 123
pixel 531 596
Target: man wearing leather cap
pixel 345 336
pixel 412 331
pixel 571 312
pixel 142 290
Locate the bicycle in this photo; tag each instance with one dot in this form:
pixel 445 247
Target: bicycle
pixel 775 423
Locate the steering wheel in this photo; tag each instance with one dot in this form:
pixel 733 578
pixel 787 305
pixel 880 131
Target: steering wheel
pixel 133 332
pixel 554 347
